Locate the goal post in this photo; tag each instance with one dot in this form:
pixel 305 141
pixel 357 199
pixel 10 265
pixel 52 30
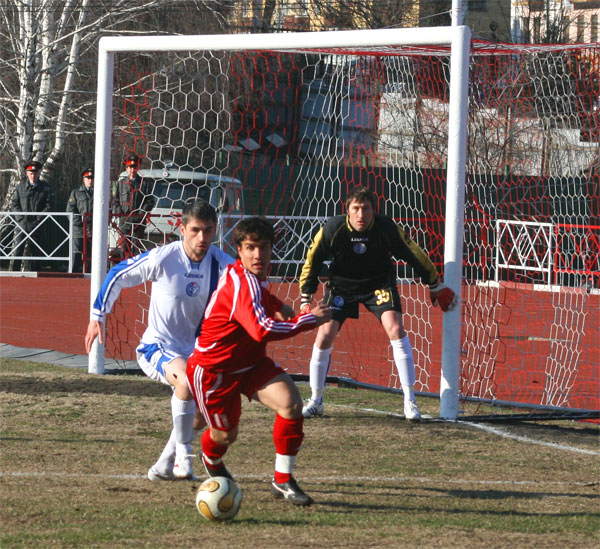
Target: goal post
pixel 457 38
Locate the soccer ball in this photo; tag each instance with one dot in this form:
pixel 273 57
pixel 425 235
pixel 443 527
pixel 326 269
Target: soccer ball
pixel 218 498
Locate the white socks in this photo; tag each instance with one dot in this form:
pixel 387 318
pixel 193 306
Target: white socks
pixel 183 423
pixel 318 368
pixel 167 458
pixel 403 358
pixel 405 364
pixel 284 464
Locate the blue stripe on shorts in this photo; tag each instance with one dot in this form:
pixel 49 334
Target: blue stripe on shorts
pixel 149 350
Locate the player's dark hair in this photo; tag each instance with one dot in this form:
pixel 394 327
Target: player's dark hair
pixel 361 194
pixel 253 228
pixel 199 209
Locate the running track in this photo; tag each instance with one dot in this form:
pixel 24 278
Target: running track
pixel 52 312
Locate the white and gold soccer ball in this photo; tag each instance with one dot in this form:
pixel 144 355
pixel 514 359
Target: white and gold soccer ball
pixel 218 498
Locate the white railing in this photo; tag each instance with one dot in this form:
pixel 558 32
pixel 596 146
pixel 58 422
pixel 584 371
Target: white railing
pixel 14 233
pixel 524 246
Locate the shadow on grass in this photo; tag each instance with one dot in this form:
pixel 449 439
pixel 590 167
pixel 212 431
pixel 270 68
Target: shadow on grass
pixel 33 385
pixel 566 432
pixel 61 440
pixel 508 494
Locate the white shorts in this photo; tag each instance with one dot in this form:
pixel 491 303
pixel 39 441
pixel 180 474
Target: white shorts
pixel 152 358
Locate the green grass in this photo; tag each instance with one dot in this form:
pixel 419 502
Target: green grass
pixel 76 449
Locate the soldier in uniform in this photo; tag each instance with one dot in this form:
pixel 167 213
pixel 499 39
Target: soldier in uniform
pixel 32 195
pixel 132 200
pixel 81 204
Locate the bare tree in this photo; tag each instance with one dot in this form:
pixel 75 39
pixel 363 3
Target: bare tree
pixel 373 14
pixel 48 55
pixel 544 21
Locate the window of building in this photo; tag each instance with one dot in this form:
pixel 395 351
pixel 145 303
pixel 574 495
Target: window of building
pixel 477 5
pixel 525 34
pixel 537 29
pixel 594 28
pixel 580 28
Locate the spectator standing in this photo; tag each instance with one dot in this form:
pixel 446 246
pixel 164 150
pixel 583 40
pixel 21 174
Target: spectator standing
pixel 132 200
pixel 81 204
pixel 32 195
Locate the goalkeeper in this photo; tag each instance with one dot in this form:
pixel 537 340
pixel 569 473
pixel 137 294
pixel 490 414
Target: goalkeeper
pixel 361 245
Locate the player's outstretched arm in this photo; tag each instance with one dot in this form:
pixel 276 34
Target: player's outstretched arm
pixel 94 330
pixel 285 313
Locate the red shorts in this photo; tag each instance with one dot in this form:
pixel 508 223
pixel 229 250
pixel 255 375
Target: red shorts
pixel 218 394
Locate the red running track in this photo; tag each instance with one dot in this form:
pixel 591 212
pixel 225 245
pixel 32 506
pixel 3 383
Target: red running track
pixel 52 312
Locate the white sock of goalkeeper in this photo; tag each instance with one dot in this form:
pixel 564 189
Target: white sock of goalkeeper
pixel 183 412
pixel 318 368
pixel 405 364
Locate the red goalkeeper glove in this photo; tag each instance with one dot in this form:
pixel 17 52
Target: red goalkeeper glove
pixel 443 296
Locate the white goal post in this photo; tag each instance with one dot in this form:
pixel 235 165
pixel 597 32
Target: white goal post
pixel 457 38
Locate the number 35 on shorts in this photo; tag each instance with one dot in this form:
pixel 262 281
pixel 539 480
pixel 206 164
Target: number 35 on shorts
pixel 383 296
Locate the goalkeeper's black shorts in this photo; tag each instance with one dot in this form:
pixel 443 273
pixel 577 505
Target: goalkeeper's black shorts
pixel 378 301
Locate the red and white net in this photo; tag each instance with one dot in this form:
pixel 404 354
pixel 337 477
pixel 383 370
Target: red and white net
pixel 298 129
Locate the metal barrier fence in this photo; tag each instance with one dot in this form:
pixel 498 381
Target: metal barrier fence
pixel 22 237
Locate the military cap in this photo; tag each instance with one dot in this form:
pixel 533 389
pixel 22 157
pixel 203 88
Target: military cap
pixel 132 160
pixel 32 166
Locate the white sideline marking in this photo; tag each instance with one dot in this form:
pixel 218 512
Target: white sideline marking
pixel 504 434
pixel 487 428
pixel 266 478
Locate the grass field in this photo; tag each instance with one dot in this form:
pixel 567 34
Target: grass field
pixel 76 449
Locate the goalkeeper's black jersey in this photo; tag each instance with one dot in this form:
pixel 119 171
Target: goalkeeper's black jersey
pixel 362 261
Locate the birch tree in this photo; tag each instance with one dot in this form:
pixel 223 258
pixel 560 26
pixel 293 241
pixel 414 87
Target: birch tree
pixel 47 59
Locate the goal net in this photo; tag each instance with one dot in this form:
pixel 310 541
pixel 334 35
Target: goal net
pixel 283 126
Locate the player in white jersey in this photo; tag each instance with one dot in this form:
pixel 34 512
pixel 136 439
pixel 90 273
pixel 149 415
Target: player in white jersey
pixel 183 274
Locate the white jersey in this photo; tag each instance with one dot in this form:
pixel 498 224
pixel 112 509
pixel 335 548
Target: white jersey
pixel 181 289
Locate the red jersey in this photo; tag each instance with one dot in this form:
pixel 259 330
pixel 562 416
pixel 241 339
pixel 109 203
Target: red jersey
pixel 238 323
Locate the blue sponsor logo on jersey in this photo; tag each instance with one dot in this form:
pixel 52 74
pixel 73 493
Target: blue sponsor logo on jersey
pixel 338 302
pixel 360 248
pixel 193 275
pixel 192 289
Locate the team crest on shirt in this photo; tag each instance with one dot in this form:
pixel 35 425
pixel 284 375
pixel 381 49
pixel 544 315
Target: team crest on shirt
pixel 360 248
pixel 192 289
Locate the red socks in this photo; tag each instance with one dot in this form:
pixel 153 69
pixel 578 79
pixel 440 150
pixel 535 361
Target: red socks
pixel 211 451
pixel 287 436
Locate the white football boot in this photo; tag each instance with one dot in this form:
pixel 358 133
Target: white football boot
pixel 183 470
pixel 411 410
pixel 158 473
pixel 313 408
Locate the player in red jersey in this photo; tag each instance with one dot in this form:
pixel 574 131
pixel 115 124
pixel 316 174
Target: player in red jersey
pixel 230 359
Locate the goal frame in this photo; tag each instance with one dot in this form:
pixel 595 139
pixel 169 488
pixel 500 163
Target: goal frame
pixel 458 38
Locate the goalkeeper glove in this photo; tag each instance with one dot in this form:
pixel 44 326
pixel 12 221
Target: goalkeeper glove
pixel 443 296
pixel 305 301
